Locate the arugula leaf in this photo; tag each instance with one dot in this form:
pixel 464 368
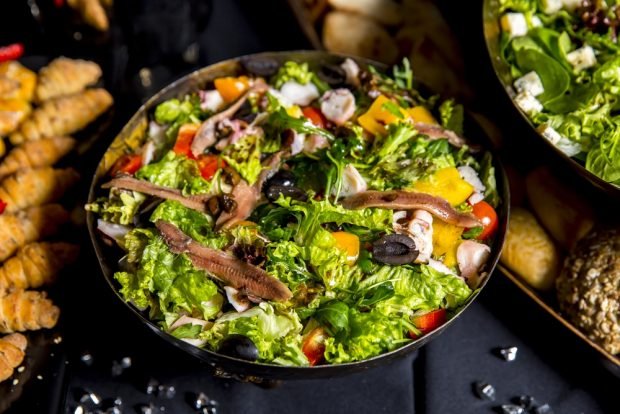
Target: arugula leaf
pixel 297 72
pixel 335 315
pixel 472 233
pixel 280 120
pixel 403 76
pixel 377 294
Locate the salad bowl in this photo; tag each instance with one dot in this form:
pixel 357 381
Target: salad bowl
pixel 132 137
pixel 575 98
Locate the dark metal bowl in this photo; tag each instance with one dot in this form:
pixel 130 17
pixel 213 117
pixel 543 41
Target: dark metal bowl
pixel 492 34
pixel 131 137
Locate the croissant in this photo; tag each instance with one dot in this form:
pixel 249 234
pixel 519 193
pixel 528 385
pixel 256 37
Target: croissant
pixel 12 113
pixel 36 264
pixel 35 154
pixel 25 78
pixel 27 310
pixel 23 227
pixel 35 187
pixel 92 12
pixel 65 76
pixel 63 115
pixel 12 352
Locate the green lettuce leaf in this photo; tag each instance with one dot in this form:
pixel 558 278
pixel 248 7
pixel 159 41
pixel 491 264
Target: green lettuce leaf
pixel 166 282
pixel 452 116
pixel 120 207
pixel 244 157
pixel 195 224
pixel 297 72
pixel 175 171
pixel 276 334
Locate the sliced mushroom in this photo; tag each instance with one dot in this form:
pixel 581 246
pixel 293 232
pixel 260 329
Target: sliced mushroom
pixel 471 256
pixel 421 230
pixel 352 182
pixel 338 105
pixel 239 301
pixel 352 71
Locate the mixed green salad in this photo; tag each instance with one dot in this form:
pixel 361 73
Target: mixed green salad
pixel 299 217
pixel 564 58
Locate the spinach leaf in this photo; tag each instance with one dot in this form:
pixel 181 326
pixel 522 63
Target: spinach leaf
pixel 555 78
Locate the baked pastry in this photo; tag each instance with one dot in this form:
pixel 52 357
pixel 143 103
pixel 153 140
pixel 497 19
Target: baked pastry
pixel 27 310
pixel 36 154
pixel 529 251
pixel 12 352
pixel 64 76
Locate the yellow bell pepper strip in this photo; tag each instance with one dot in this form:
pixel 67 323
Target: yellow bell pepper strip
pixel 421 114
pixel 231 88
pixel 447 184
pixel 379 115
pixel 294 111
pixel 446 239
pixel 348 243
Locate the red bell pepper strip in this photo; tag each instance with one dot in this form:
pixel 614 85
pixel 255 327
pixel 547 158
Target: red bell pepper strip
pixel 127 164
pixel 3 205
pixel 428 322
pixel 59 3
pixel 209 164
pixel 11 52
pixel 185 137
pixel 315 116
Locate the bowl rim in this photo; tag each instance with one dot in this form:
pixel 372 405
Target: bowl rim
pixel 491 33
pixel 282 370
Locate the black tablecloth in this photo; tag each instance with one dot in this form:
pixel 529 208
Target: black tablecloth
pixel 551 365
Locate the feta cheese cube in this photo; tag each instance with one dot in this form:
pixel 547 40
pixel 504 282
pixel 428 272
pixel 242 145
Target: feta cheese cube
pixel 582 58
pixel 571 5
pixel 551 6
pixel 531 83
pixel 514 24
pixel 562 143
pixel 528 103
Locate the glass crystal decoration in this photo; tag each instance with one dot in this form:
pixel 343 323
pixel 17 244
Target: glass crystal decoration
pixel 201 401
pixel 484 391
pixel 151 386
pixel 512 409
pixel 86 358
pixel 543 409
pixel 526 401
pixel 509 354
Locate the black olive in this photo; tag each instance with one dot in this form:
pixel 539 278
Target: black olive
pixel 273 192
pixel 231 176
pixel 227 203
pixel 239 346
pixel 283 178
pixel 213 206
pixel 332 74
pixel 261 66
pixel 394 249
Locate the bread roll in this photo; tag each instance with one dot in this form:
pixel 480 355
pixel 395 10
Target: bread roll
pixel 529 251
pixel 565 215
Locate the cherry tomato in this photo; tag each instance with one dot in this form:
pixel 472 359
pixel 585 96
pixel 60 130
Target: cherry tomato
pixel 11 52
pixel 488 217
pixel 313 346
pixel 428 322
pixel 185 137
pixel 315 116
pixel 127 164
pixel 209 164
pixel 59 3
pixel 3 205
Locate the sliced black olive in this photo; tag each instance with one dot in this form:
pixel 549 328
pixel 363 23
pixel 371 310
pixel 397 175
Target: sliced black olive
pixel 282 178
pixel 332 74
pixel 213 206
pixel 227 203
pixel 231 176
pixel 273 193
pixel 261 66
pixel 239 346
pixel 394 249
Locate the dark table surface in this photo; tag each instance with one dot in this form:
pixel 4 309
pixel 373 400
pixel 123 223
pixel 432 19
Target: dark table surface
pixel 551 364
